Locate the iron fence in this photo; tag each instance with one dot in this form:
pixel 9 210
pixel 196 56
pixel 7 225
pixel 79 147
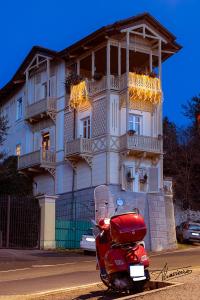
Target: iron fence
pixel 19 222
pixel 73 218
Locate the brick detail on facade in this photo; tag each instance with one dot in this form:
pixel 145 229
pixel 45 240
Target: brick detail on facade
pixel 68 130
pixel 99 117
pixel 157 222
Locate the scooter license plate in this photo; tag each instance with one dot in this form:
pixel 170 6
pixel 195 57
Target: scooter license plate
pixel 137 271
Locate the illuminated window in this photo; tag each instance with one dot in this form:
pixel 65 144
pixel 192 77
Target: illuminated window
pixel 135 123
pixel 18 150
pixel 46 141
pixel 19 108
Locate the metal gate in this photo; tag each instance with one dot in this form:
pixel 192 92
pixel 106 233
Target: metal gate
pixel 19 222
pixel 73 219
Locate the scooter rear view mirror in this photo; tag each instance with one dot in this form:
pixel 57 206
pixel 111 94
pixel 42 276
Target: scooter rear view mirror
pixel 120 202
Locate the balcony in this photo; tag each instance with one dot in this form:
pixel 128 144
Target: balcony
pixel 96 87
pixel 37 161
pixel 141 87
pixel 41 109
pixel 78 149
pixel 139 143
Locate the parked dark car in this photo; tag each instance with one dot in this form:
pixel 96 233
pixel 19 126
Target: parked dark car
pixel 188 232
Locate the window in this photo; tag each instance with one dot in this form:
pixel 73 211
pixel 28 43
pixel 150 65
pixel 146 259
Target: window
pixel 44 86
pixel 19 108
pixel 86 127
pixel 135 123
pixel 46 141
pixel 18 150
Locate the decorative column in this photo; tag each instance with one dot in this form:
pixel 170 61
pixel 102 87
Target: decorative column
pixel 160 116
pixel 48 79
pixel 47 221
pixel 127 79
pixel 108 110
pixel 119 59
pixel 93 63
pixel 150 61
pixel 169 211
pixel 78 67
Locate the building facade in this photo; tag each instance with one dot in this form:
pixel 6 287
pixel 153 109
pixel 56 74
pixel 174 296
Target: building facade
pixel 91 114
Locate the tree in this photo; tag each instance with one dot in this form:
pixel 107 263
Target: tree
pixel 11 181
pixel 191 109
pixel 170 147
pixel 182 156
pixel 3 132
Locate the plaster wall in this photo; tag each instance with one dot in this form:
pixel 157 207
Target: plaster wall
pixel 43 184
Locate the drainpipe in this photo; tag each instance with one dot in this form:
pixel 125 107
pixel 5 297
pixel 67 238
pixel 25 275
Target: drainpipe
pixel 74 136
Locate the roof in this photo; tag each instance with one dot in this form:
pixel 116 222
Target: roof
pixel 82 45
pixel 109 30
pixel 19 77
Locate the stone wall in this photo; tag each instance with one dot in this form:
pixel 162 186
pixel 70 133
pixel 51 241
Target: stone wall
pixel 170 219
pixel 157 210
pixel 157 222
pixel 185 215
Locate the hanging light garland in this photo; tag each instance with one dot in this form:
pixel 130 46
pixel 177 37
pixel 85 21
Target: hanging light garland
pixel 78 95
pixel 144 88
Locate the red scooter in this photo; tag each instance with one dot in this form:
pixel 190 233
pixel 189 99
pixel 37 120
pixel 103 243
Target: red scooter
pixel 121 255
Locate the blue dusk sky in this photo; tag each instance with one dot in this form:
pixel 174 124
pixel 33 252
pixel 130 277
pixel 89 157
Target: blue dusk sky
pixel 57 24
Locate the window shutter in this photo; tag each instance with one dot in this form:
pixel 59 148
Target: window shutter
pixel 52 139
pixel 153 179
pixel 38 78
pixel 38 92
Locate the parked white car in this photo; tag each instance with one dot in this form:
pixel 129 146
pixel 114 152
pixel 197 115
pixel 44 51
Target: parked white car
pixel 87 242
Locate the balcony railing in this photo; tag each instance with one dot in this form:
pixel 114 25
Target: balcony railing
pixel 141 143
pixel 40 107
pixel 143 85
pixel 37 158
pixel 78 146
pixel 95 87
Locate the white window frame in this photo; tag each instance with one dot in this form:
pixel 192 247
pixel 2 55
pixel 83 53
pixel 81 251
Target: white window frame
pixel 134 122
pixel 88 136
pixel 19 108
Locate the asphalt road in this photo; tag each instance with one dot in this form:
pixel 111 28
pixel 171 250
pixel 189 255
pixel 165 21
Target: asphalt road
pixel 24 272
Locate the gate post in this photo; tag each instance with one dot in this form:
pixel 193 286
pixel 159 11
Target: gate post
pixel 47 221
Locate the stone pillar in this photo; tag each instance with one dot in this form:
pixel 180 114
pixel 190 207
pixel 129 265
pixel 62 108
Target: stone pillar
pixel 47 221
pixel 157 222
pixel 169 211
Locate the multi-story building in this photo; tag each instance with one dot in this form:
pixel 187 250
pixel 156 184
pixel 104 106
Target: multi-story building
pixel 91 114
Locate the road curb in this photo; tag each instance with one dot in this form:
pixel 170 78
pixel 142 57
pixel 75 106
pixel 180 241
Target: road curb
pixel 147 293
pixel 49 293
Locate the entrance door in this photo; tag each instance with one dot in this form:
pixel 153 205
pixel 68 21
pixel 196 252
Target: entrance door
pixel 45 145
